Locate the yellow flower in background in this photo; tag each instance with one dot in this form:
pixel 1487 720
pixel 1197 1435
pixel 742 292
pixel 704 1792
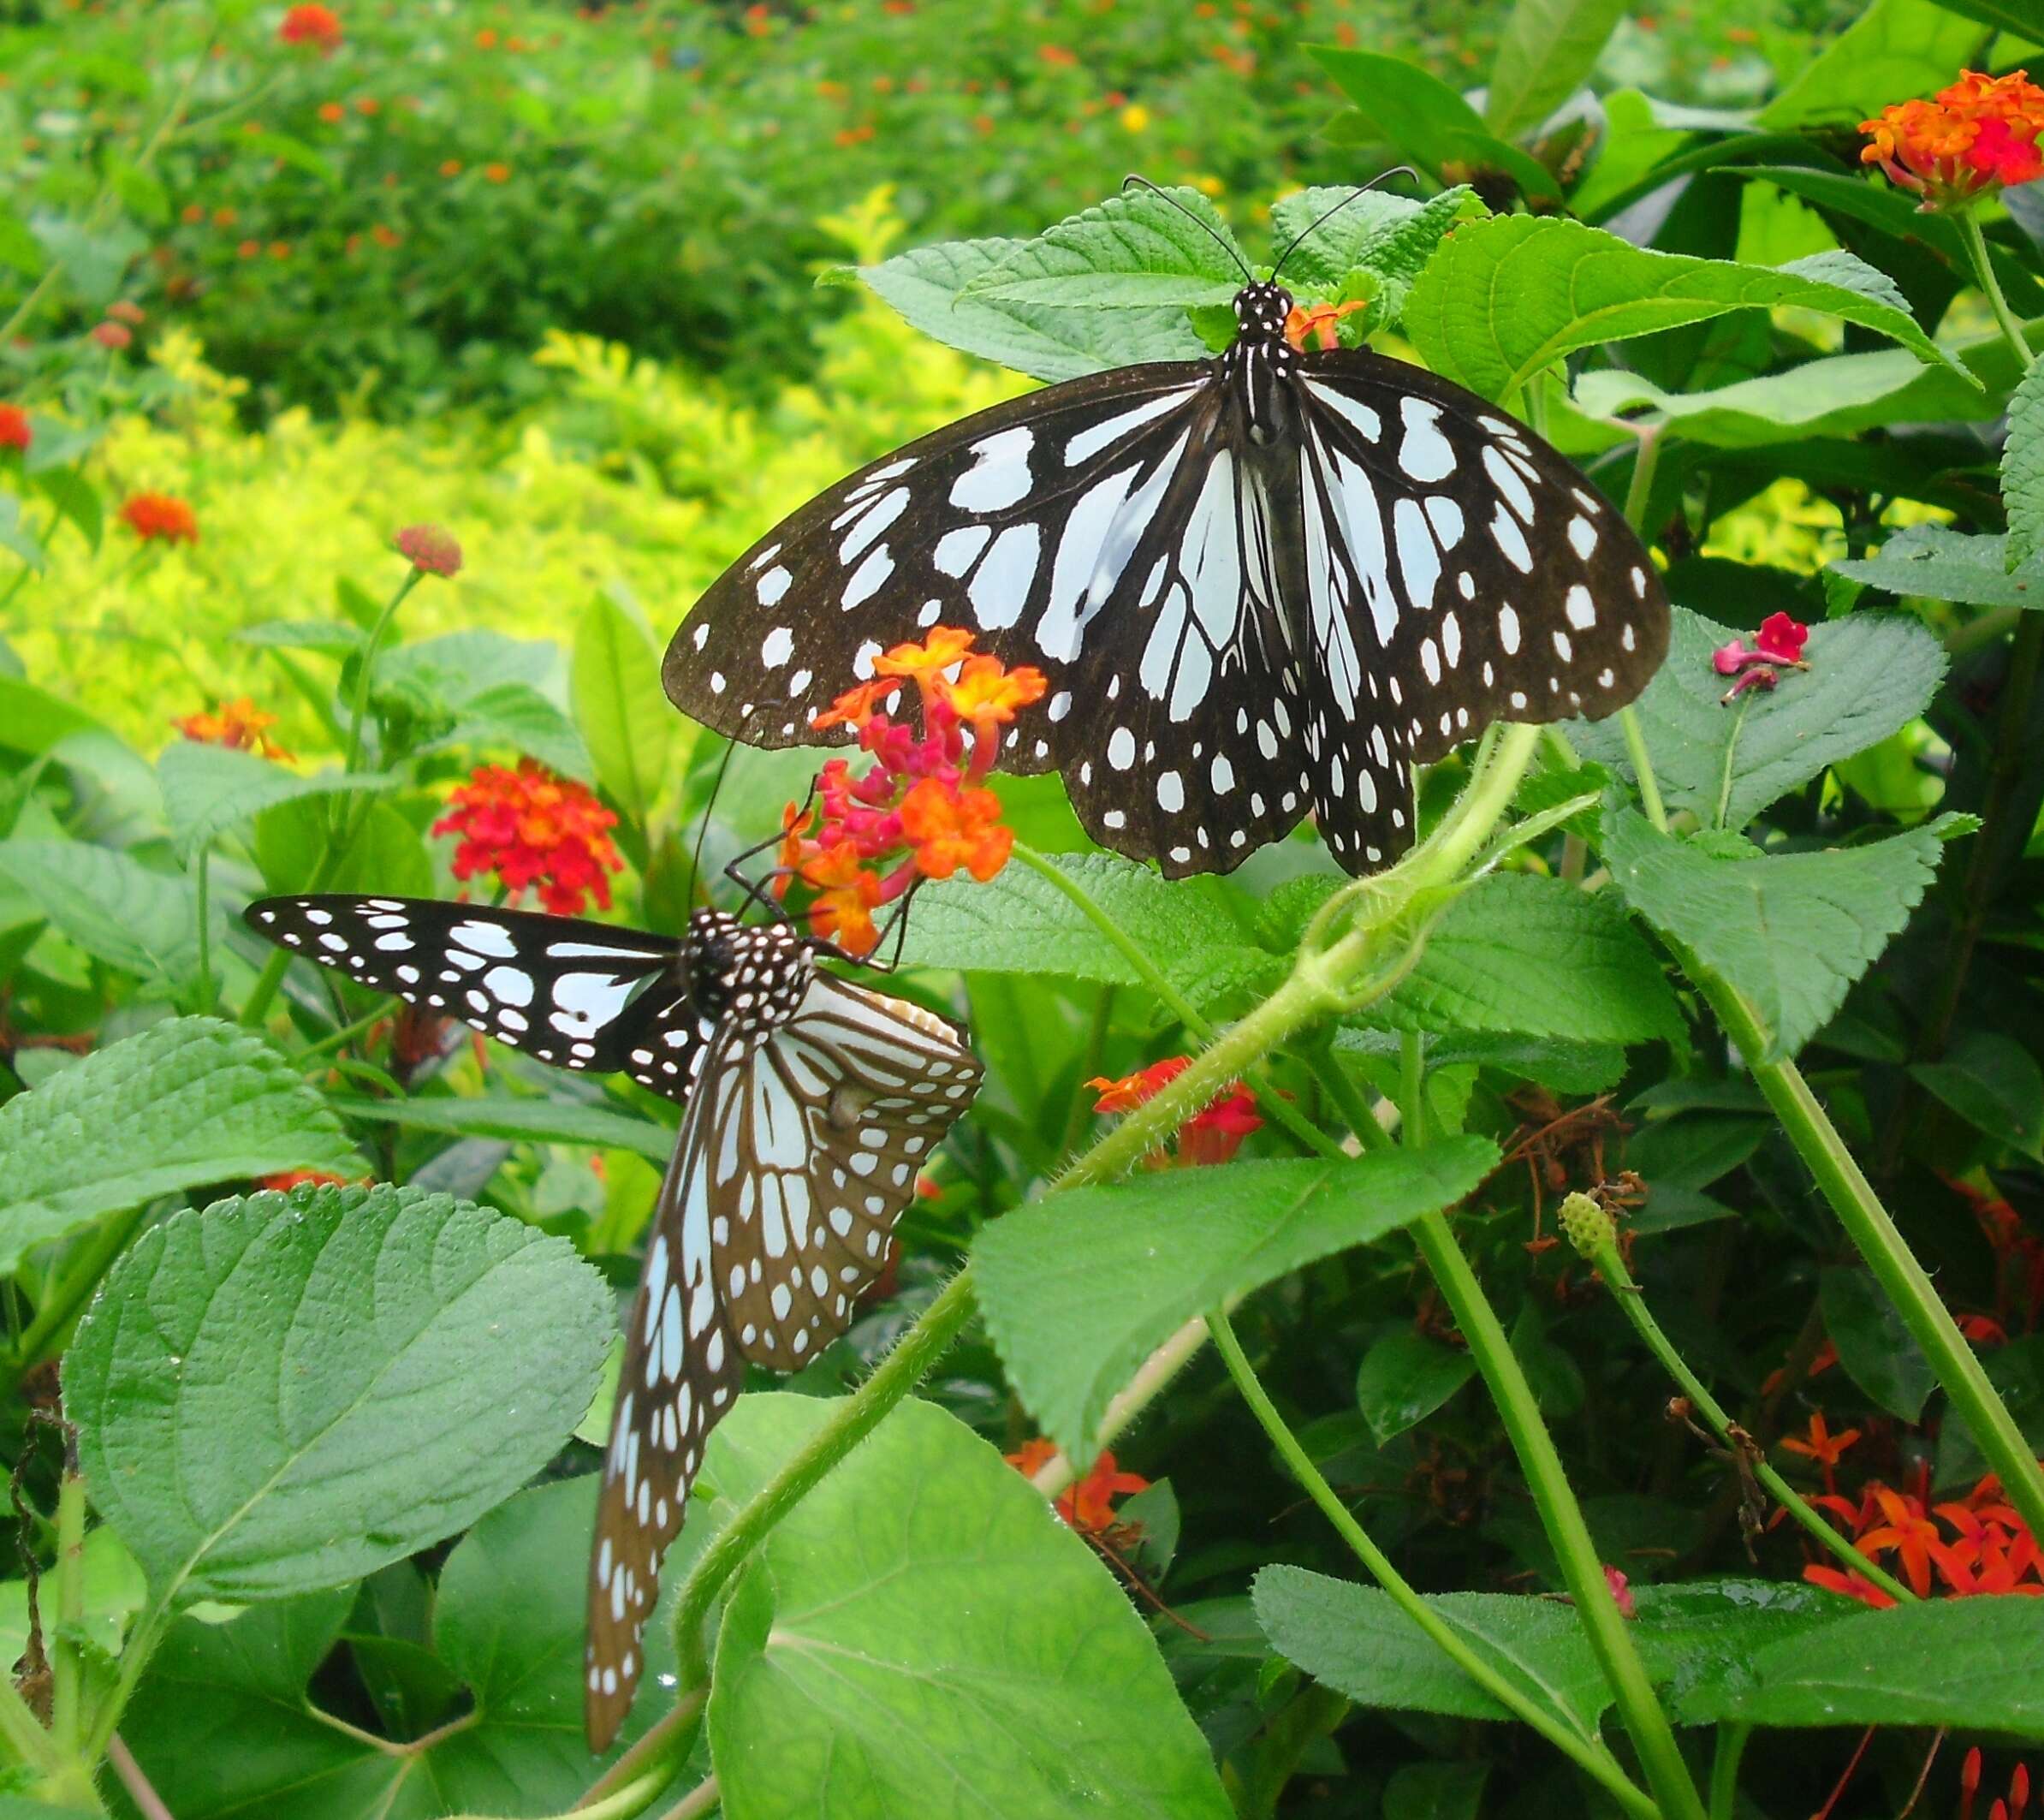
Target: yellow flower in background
pixel 1208 185
pixel 1135 118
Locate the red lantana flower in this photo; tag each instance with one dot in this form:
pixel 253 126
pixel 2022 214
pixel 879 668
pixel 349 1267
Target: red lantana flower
pixel 157 518
pixel 1211 1135
pixel 430 549
pixel 528 828
pixel 317 26
pixel 920 810
pixel 238 723
pixel 286 1179
pixel 1978 136
pixel 16 430
pixel 1088 1505
pixel 1778 645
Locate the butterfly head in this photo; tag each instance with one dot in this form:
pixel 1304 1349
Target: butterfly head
pixel 1260 311
pixel 759 972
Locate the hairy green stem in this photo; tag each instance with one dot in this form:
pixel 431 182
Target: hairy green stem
pixel 1983 274
pixel 1611 1266
pixel 1581 1748
pixel 658 1753
pixel 67 1683
pixel 1554 1499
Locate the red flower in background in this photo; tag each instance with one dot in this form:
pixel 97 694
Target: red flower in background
pixel 15 430
pixel 1971 1547
pixel 238 723
pixel 920 810
pixel 286 1179
pixel 527 829
pixel 317 26
pixel 157 518
pixel 1088 1505
pixel 1210 1136
pixel 430 549
pixel 1977 136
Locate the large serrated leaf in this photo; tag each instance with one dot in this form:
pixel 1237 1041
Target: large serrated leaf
pixel 285 1393
pixel 1792 932
pixel 928 287
pixel 1136 250
pixel 920 1635
pixel 188 1101
pixel 1340 232
pixel 1504 298
pixel 531 1120
pixel 1938 563
pixel 208 789
pixel 1538 957
pixel 2022 469
pixel 1078 1290
pixel 1868 675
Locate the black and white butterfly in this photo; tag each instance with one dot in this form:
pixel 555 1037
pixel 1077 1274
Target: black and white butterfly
pixel 1260 585
pixel 811 1102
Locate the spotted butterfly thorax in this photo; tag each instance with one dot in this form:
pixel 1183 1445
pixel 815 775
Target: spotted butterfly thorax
pixel 811 1104
pixel 1261 586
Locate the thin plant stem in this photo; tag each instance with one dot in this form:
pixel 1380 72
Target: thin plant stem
pixel 659 1752
pixel 697 1801
pixel 201 880
pixel 1724 1769
pixel 148 1803
pixel 1642 768
pixel 1584 1751
pixel 1058 1473
pixel 67 1671
pixel 1646 462
pixel 1611 1266
pixel 69 1293
pixel 1554 1499
pixel 351 755
pixel 1983 273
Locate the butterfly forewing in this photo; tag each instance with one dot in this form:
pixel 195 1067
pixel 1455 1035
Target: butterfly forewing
pixel 582 996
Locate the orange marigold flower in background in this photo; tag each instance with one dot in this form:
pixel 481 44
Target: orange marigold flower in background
pixel 450 168
pixel 15 430
pixel 239 723
pixel 317 26
pixel 332 112
pixel 495 172
pixel 1977 136
pixel 431 549
pixel 157 518
pixel 1058 56
pixel 528 828
pixel 131 313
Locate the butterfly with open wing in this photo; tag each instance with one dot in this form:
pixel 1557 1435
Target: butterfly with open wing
pixel 811 1104
pixel 1260 585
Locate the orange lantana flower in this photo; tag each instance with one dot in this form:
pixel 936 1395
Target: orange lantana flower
pixel 847 892
pixel 1977 136
pixel 953 828
pixel 944 646
pixel 1315 322
pixel 1087 1506
pixel 238 723
pixel 157 518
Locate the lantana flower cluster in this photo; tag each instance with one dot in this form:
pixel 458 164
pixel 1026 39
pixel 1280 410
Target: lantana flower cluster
pixel 1778 645
pixel 239 723
pixel 920 809
pixel 529 829
pixel 1962 1547
pixel 160 518
pixel 1088 1504
pixel 1211 1135
pixel 1971 139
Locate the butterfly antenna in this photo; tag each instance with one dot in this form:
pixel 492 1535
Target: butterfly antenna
pixel 695 864
pixel 1306 233
pixel 1205 227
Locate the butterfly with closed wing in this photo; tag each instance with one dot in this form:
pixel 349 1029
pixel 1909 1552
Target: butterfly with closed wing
pixel 1260 585
pixel 811 1104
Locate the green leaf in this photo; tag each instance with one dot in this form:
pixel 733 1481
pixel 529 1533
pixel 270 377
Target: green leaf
pixel 621 709
pixel 187 1102
pixel 114 1592
pixel 1976 1665
pixel 1078 1290
pixel 1873 1347
pixel 919 1635
pixel 1545 54
pixel 76 499
pixel 517 715
pixel 507 1623
pixel 1993 1083
pixel 1698 1638
pixel 1425 120
pixel 294 153
pixel 1389 237
pixel 1896 49
pixel 208 789
pixel 253 1422
pixel 1354 1639
pixel 336 637
pixel 1941 564
pixel 118 910
pixel 2023 470
pixel 1404 1377
pixel 2008 14
pixel 1019 922
pixel 16 537
pixel 1441 1790
pixel 1869 674
pixel 531 1121
pixel 1538 957
pixel 386 856
pixel 1504 298
pixel 1792 932
pixel 33 720
pixel 1135 251
pixel 928 287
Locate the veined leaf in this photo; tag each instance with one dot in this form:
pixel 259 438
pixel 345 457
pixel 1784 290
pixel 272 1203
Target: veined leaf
pixel 1506 297
pixel 252 1422
pixel 1545 53
pixel 2022 471
pixel 1389 236
pixel 208 789
pixel 118 910
pixel 533 1121
pixel 1895 50
pixel 620 710
pixel 1941 564
pixel 1080 1288
pixel 1135 251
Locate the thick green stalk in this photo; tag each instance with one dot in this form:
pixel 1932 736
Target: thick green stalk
pixel 1584 1751
pixel 66 1669
pixel 1554 1499
pixel 1602 1252
pixel 1724 1769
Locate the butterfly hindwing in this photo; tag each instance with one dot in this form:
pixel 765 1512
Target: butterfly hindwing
pixel 580 995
